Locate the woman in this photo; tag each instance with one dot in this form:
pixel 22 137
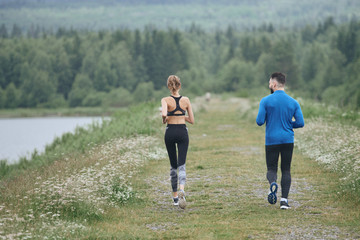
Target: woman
pixel 173 113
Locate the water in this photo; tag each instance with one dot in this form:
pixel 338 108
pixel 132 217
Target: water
pixel 19 137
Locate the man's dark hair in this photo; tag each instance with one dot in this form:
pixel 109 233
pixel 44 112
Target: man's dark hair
pixel 280 77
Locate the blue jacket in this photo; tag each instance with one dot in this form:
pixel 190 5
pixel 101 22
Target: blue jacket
pixel 278 111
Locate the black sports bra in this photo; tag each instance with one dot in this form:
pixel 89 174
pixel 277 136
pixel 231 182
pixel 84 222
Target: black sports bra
pixel 178 108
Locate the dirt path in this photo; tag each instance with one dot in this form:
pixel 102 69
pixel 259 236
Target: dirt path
pixel 227 189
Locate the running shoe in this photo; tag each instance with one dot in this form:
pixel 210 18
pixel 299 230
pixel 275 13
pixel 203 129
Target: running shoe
pixel 176 201
pixel 182 200
pixel 272 195
pixel 284 205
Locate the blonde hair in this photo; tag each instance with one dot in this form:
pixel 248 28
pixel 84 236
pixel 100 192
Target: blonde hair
pixel 173 83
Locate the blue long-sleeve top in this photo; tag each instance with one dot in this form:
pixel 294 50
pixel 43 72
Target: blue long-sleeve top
pixel 278 111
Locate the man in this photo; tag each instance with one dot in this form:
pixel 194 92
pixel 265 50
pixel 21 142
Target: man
pixel 278 111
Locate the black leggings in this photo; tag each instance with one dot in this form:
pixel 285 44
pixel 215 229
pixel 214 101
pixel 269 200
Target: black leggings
pixel 272 158
pixel 177 134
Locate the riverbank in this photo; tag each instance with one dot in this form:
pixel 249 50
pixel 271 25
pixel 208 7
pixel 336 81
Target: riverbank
pixel 22 136
pixel 124 122
pixel 58 112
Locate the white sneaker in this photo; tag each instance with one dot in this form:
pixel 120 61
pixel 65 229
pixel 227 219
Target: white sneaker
pixel 182 200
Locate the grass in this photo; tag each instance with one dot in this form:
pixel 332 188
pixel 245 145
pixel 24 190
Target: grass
pixel 61 199
pixel 226 188
pixel 330 113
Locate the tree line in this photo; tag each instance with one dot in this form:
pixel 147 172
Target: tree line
pixel 71 68
pixel 135 14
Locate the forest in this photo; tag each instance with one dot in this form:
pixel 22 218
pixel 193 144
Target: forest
pixel 77 67
pixel 210 15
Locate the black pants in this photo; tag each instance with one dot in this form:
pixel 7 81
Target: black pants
pixel 272 158
pixel 177 134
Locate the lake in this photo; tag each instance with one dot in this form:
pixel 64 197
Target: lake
pixel 19 137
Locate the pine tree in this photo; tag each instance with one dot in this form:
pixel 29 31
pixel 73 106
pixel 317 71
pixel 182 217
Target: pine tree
pixel 16 31
pixel 137 44
pixel 3 31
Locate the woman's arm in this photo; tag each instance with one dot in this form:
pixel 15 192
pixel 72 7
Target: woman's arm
pixel 164 111
pixel 190 117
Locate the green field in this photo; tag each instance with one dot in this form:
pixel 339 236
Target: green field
pixel 121 190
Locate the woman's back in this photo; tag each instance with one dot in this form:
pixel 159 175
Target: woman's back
pixel 176 114
pixel 175 106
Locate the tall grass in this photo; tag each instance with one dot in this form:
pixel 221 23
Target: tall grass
pixel 57 194
pixel 125 122
pixel 331 136
pixel 312 109
pixel 64 203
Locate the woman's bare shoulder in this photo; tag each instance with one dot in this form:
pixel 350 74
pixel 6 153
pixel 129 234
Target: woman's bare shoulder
pixel 165 98
pixel 186 98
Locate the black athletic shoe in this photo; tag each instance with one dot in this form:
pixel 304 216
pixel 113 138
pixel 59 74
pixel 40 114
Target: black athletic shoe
pixel 272 194
pixel 284 205
pixel 176 201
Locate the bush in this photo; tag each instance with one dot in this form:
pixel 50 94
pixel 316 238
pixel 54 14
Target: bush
pixel 55 101
pixel 121 192
pixel 93 99
pixel 144 91
pixel 334 95
pixel 81 88
pixel 119 97
pixel 243 93
pixel 4 168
